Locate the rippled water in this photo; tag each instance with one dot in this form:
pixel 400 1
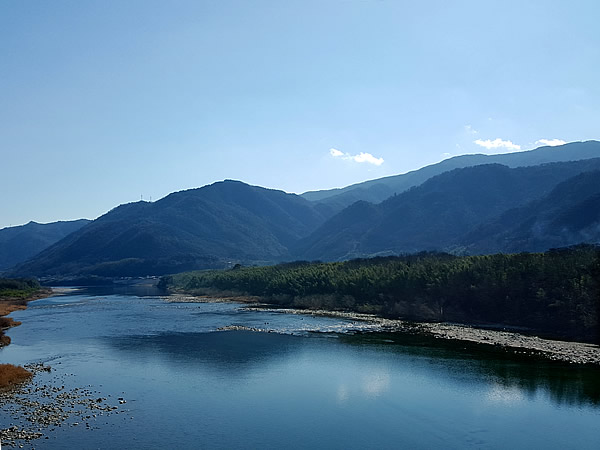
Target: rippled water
pixel 190 386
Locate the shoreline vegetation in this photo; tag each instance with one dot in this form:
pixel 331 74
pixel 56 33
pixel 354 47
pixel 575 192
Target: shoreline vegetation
pixel 14 296
pixel 540 303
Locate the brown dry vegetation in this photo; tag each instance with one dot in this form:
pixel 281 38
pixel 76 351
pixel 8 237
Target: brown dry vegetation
pixel 14 301
pixel 18 301
pixel 11 375
pixel 7 322
pixel 6 307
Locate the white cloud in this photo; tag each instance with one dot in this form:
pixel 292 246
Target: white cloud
pixel 550 142
pixel 497 143
pixel 362 157
pixel 368 158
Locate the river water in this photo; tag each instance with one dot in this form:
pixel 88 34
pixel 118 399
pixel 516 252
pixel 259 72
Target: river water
pixel 187 385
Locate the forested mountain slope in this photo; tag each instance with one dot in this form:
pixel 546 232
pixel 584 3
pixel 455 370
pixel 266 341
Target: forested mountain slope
pixel 377 190
pixel 568 215
pixel 198 228
pixel 18 244
pixel 435 215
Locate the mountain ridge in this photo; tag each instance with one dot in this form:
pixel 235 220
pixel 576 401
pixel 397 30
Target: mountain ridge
pixel 379 189
pixel 203 227
pixel 19 243
pixel 434 215
pixel 229 222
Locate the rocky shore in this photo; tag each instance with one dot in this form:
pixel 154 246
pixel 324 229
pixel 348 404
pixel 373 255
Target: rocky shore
pixel 38 408
pixel 510 341
pixel 507 340
pixel 186 298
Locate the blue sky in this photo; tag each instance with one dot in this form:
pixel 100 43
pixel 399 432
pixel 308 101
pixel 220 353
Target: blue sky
pixel 104 101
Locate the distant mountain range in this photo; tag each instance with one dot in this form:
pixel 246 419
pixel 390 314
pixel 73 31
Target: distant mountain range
pixel 378 190
pixel 444 212
pixel 533 200
pixel 17 244
pixel 209 227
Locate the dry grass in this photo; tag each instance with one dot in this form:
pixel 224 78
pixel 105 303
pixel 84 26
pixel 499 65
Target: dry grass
pixel 8 322
pixel 8 307
pixel 11 375
pixel 9 304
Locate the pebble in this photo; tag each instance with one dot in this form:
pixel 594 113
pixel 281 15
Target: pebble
pixel 564 351
pixel 46 406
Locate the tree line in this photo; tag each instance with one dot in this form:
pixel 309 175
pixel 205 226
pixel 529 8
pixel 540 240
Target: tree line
pixel 556 293
pixel 18 287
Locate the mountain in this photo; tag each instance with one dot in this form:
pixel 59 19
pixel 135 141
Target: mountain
pixel 476 209
pixel 568 215
pixel 377 190
pixel 18 244
pixel 434 215
pixel 198 228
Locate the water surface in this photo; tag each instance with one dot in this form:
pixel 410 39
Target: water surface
pixel 188 385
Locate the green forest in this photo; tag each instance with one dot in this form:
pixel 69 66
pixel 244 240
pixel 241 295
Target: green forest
pixel 18 287
pixel 554 294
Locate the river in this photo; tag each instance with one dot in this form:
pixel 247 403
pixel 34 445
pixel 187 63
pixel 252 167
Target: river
pixel 307 384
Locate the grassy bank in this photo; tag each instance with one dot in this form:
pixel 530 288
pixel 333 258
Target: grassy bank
pixel 14 295
pixel 554 294
pixel 11 375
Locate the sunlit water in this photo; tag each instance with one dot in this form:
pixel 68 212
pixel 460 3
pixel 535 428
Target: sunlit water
pixel 188 385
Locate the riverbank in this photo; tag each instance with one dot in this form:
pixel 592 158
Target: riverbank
pixel 510 341
pixel 44 405
pixel 11 375
pixel 506 340
pixel 552 294
pixel 37 399
pixel 172 367
pixel 11 303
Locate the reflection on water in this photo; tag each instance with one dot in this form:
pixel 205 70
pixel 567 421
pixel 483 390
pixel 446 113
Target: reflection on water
pixel 375 384
pixel 229 352
pixel 564 383
pixel 509 378
pixel 139 288
pixel 505 394
pixel 190 386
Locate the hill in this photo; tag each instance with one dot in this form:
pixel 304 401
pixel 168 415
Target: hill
pixel 436 214
pixel 568 215
pixel 18 244
pixel 377 190
pixel 479 209
pixel 212 226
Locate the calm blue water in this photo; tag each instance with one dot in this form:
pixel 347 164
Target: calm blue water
pixel 190 386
